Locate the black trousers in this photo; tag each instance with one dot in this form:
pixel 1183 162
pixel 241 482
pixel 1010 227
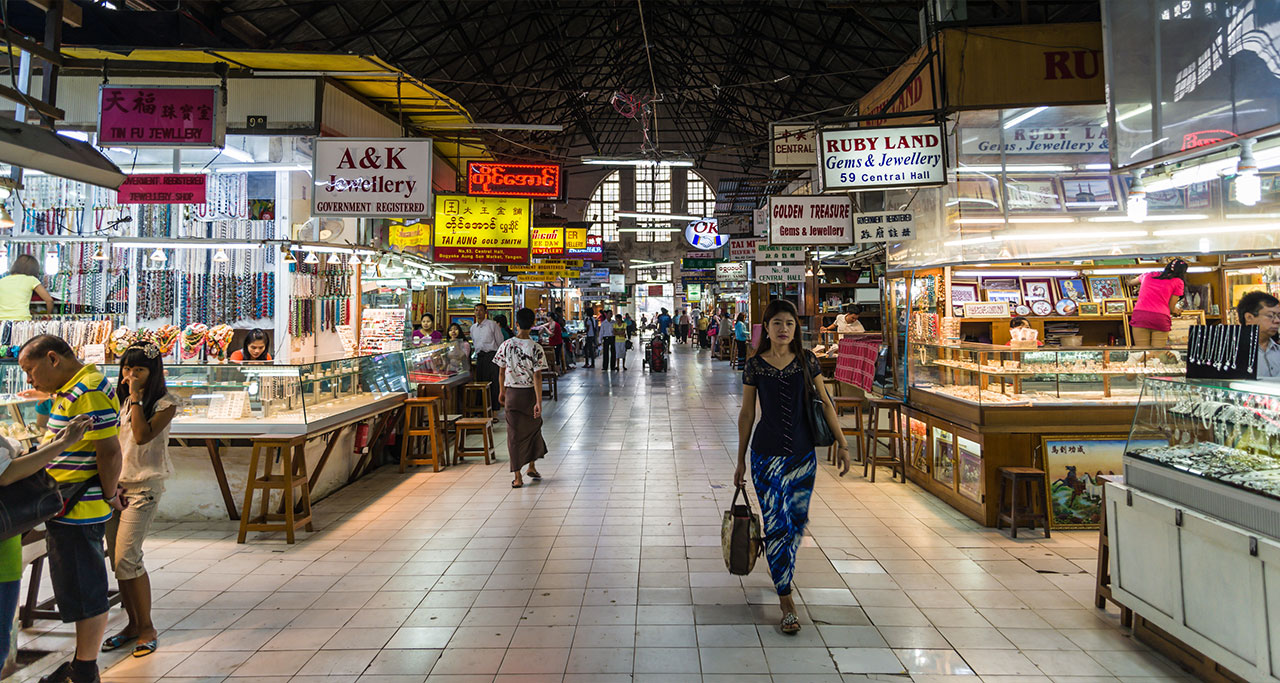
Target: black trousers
pixel 607 354
pixel 487 371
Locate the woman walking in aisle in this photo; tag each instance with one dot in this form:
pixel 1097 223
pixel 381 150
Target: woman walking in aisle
pixel 619 343
pixel 783 463
pixel 741 334
pixel 520 364
pixel 144 448
pixel 607 357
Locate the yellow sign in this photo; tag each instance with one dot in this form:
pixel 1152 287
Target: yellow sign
pixel 536 278
pixel 575 238
pixel 536 268
pixel 405 235
pixel 572 263
pixel 491 230
pixel 548 240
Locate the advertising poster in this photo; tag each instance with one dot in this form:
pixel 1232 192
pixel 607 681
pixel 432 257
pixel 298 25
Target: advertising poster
pixel 492 230
pixel 810 220
pixel 1073 465
pixel 547 241
pixel 879 158
pixel 372 177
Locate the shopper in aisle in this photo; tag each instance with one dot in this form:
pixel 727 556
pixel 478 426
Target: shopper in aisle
pixel 726 330
pixel 487 337
pixel 664 323
pixel 504 326
pixel 256 349
pixel 17 287
pixel 591 328
pixel 14 467
pixel 144 445
pixel 683 326
pixel 461 351
pixel 703 324
pixel 608 359
pixel 521 362
pixel 631 327
pixel 713 331
pixel 1157 303
pixel 781 375
pixel 619 343
pixel 740 335
pixel 77 565
pixel 555 330
pixel 1263 310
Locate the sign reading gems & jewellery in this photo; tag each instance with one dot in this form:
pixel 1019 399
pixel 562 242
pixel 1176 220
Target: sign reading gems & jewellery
pixel 372 177
pixel 878 158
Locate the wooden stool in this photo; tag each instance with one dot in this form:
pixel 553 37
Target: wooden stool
pixel 550 385
pixel 475 400
pixel 293 475
pixel 467 425
pixel 1102 590
pixel 1036 507
pixel 846 404
pixel 422 422
pixel 896 459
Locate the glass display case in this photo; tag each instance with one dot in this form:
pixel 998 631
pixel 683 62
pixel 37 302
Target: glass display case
pixel 271 398
pixel 434 363
pixel 18 418
pixel 985 374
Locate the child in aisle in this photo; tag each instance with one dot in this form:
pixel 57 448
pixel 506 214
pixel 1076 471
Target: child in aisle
pixel 520 364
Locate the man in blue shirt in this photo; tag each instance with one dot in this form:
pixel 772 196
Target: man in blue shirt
pixel 664 322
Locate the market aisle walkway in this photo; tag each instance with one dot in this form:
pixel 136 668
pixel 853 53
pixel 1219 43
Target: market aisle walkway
pixel 610 569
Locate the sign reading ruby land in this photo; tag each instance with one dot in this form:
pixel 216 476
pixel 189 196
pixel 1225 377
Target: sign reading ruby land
pixel 488 179
pixel 873 158
pixel 168 116
pixel 163 188
pixel 804 219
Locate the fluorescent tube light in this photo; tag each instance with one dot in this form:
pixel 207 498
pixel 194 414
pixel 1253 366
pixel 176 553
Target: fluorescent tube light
pixel 1169 217
pixel 1014 273
pixel 238 154
pixel 1023 117
pixel 201 244
pixel 1133 112
pixel 1238 216
pixel 1025 219
pixel 1215 230
pixel 637 162
pixel 639 215
pixel 550 127
pixel 75 135
pixel 1138 270
pixel 1014 168
pixel 971 240
pixel 650 229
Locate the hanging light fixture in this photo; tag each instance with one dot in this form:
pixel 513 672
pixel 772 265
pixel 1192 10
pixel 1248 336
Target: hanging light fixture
pixel 158 256
pixel 220 256
pixel 1248 184
pixel 821 272
pixel 311 258
pixel 1136 201
pixel 369 260
pixel 6 221
pixel 334 259
pixel 100 255
pixel 288 257
pixel 354 260
pixel 51 261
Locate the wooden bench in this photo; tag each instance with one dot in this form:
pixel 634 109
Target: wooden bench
pixel 293 475
pixel 466 426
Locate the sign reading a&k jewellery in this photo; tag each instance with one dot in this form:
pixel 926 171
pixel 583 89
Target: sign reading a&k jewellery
pixel 373 178
pixel 810 220
pixel 878 158
pixel 492 230
pixel 161 116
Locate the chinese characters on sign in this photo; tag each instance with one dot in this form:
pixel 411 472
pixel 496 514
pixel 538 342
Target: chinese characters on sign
pixel 481 230
pixel 791 146
pixel 168 116
pixel 489 179
pixel 372 178
pixel 884 226
pixel 163 188
pixel 870 158
pixel 594 251
pixel 810 220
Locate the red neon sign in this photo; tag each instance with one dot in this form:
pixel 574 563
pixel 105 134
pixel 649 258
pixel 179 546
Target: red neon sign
pixel 494 179
pixel 1204 138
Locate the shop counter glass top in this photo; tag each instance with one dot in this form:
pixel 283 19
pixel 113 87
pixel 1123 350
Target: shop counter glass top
pixel 992 375
pixel 440 363
pixel 18 418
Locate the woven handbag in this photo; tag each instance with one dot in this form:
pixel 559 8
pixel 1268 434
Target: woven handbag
pixel 740 535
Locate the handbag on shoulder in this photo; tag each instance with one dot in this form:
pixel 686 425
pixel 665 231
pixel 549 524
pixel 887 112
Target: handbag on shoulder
pixel 741 535
pixel 27 503
pixel 819 430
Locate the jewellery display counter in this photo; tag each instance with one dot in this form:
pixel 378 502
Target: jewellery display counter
pixel 974 408
pixel 1194 530
pixel 439 370
pixel 18 418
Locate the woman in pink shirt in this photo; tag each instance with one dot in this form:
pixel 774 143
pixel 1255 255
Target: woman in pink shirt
pixel 1157 298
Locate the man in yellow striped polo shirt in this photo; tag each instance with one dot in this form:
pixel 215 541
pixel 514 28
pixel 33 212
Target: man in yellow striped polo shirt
pixel 77 564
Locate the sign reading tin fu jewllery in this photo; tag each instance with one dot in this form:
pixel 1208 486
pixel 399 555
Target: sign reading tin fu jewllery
pixel 161 116
pixel 372 177
pixel 493 179
pixel 877 158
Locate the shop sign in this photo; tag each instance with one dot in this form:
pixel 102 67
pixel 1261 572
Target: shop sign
pixel 547 240
pixel 162 188
pixel 594 250
pixel 698 263
pixel 571 263
pixel 735 225
pixel 760 222
pixel 744 249
pixel 575 238
pixel 791 145
pixel 986 309
pixel 884 226
pixel 809 220
pixel 597 275
pixel 537 278
pixel 875 158
pixel 693 293
pixel 372 177
pixel 536 268
pixel 765 252
pixel 495 179
pixel 707 278
pixel 167 116
pixel 1036 140
pixel 704 234
pixel 731 272
pixel 617 283
pixel 655 290
pixel 404 235
pixel 491 230
pixel 766 273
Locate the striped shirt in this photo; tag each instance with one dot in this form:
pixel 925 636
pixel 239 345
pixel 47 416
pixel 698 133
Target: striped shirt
pixel 88 393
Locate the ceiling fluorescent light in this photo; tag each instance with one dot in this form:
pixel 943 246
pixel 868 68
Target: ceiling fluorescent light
pixel 1133 112
pixel 1025 219
pixel 656 216
pixel 464 125
pixel 596 161
pixel 1072 236
pixel 1168 217
pixel 1023 117
pixel 75 135
pixel 1216 229
pixel 1138 270
pixel 1014 273
pixel 971 240
pixel 1097 167
pixel 1136 200
pixel 200 244
pixel 1238 216
pixel 1014 168
pixel 650 229
pixel 238 154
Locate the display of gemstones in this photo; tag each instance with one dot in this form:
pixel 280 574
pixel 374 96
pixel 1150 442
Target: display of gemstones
pixel 1209 459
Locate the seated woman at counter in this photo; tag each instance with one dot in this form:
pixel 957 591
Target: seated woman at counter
pixel 257 348
pixel 461 352
pixel 1021 331
pixel 425 330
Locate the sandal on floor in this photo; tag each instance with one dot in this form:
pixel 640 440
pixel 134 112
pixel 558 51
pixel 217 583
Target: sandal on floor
pixel 790 624
pixel 117 641
pixel 144 649
pixel 517 484
pixel 536 476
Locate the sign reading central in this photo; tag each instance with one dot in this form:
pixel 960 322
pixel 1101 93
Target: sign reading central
pixel 490 179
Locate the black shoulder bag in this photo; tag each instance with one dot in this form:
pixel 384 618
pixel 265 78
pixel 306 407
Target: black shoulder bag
pixel 819 430
pixel 27 503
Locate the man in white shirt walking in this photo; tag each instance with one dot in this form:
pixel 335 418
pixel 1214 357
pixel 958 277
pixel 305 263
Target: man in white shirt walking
pixel 486 337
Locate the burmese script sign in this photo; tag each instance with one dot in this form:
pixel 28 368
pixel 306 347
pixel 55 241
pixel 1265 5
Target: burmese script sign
pixel 548 241
pixel 373 178
pixel 493 230
pixel 168 116
pixel 163 188
pixel 878 158
pixel 492 179
pixel 810 220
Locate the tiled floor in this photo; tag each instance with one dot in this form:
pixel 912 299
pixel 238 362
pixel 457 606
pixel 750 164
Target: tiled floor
pixel 610 570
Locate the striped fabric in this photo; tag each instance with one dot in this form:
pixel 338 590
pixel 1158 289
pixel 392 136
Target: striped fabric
pixel 88 393
pixel 784 486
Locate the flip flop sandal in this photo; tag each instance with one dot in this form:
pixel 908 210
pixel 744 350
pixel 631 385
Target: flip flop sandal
pixel 144 649
pixel 790 624
pixel 116 642
pixel 516 485
pixel 536 476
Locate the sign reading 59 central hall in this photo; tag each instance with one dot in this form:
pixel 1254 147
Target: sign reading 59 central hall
pixel 372 177
pixel 878 158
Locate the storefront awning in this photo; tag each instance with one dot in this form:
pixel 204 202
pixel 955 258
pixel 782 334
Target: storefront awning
pixel 35 148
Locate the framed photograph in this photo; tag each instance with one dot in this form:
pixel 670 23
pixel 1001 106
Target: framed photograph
pixel 1073 288
pixel 1089 308
pixel 1002 283
pixel 976 195
pixel 1034 194
pixel 918 439
pixel 1199 195
pixel 1103 288
pixel 499 294
pixel 1090 193
pixel 944 454
pixel 464 321
pixel 1012 297
pixel 1074 464
pixel 463 297
pixel 964 292
pixel 970 484
pixel 1115 306
pixel 1037 289
pixel 1173 199
pixel 1197 298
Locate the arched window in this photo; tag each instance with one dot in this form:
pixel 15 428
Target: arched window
pixel 653 193
pixel 700 197
pixel 603 206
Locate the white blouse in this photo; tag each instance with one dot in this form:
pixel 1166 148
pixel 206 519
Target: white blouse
pixel 521 358
pixel 148 461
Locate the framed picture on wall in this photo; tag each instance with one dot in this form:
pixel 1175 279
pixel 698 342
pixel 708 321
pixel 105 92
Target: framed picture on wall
pixel 976 195
pixel 1012 296
pixel 463 321
pixel 463 297
pixel 1037 289
pixel 1074 465
pixel 1073 288
pixel 1197 298
pixel 499 294
pixel 1002 283
pixel 1115 306
pixel 1090 193
pixel 1103 288
pixel 1089 308
pixel 1033 194
pixel 964 292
